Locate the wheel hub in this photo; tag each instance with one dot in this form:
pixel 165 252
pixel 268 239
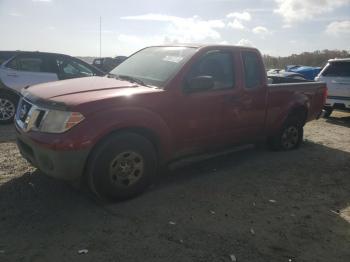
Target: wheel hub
pixel 126 168
pixel 290 137
pixel 7 109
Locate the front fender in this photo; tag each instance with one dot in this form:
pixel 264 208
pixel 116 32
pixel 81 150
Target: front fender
pixel 103 123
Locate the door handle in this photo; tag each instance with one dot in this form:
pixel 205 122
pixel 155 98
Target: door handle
pixel 13 75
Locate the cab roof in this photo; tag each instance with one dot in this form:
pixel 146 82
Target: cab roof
pixel 339 60
pixel 205 46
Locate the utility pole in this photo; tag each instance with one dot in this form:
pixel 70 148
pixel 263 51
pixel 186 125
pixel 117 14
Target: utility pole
pixel 100 36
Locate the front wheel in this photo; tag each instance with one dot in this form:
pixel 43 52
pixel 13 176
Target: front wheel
pixel 8 104
pixel 122 166
pixel 289 137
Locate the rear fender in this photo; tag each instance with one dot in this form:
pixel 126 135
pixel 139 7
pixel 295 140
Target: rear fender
pixel 298 105
pixel 5 89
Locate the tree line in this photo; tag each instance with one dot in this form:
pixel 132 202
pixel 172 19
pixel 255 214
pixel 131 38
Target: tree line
pixel 316 58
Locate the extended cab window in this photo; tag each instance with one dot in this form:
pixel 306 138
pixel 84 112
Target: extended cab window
pixel 216 64
pixel 252 70
pixel 27 63
pixel 341 69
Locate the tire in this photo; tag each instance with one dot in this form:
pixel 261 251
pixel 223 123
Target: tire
pixel 8 105
pixel 290 136
pixel 122 166
pixel 328 112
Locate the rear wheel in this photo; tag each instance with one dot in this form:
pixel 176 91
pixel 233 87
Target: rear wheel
pixel 8 104
pixel 290 135
pixel 122 166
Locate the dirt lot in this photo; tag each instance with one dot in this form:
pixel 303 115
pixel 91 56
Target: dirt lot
pixel 255 204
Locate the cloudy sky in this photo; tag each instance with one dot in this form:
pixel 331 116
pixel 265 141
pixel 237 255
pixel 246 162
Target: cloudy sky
pixel 276 27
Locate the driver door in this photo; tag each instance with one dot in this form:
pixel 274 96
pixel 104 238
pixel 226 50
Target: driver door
pixel 202 108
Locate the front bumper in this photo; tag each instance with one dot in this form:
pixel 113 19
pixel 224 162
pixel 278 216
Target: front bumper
pixel 62 164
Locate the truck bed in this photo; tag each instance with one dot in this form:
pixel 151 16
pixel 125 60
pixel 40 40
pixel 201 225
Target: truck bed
pixel 311 94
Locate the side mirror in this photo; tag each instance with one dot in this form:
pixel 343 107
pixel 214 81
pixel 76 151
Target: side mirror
pixel 200 83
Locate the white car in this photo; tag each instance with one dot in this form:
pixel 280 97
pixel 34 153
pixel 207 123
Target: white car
pixel 337 76
pixel 20 69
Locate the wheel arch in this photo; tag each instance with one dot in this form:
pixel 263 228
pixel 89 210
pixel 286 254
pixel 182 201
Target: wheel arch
pixel 298 112
pixel 144 132
pixel 11 95
pixel 147 133
pixel 301 111
pixel 6 90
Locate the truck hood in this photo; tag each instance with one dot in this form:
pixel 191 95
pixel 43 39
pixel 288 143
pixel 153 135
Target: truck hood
pixel 80 91
pixel 55 89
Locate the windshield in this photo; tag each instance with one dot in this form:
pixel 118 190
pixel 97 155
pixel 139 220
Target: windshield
pixel 155 65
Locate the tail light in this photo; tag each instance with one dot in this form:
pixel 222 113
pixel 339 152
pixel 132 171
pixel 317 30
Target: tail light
pixel 325 95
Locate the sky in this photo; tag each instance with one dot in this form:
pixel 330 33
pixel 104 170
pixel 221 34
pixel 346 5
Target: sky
pixel 276 27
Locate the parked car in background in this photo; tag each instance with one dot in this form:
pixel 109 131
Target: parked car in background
pixel 277 76
pixel 20 69
pixel 337 76
pixel 162 103
pixel 308 72
pixel 6 55
pixel 106 64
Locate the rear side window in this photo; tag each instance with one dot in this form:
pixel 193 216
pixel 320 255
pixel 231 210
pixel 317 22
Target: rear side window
pixel 337 69
pixel 27 63
pixel 31 64
pixel 252 69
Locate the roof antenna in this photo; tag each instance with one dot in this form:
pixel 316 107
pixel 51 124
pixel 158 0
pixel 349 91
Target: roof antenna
pixel 100 36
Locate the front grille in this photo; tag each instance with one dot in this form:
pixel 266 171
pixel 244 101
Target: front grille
pixel 29 116
pixel 23 110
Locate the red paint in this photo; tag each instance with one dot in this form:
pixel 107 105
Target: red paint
pixel 182 123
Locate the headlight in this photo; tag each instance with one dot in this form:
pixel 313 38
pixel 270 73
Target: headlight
pixel 55 121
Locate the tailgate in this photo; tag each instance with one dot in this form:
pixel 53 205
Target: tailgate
pixel 338 87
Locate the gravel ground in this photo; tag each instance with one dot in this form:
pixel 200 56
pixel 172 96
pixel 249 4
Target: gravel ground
pixel 255 204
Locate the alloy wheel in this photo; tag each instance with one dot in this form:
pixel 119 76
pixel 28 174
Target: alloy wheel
pixel 7 109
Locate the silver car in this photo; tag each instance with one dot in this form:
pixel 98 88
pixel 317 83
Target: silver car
pixel 337 76
pixel 20 69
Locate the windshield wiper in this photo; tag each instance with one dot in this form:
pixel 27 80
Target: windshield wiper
pixel 110 75
pixel 131 79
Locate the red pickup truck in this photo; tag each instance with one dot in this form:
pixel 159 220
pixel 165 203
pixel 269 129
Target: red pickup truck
pixel 162 103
